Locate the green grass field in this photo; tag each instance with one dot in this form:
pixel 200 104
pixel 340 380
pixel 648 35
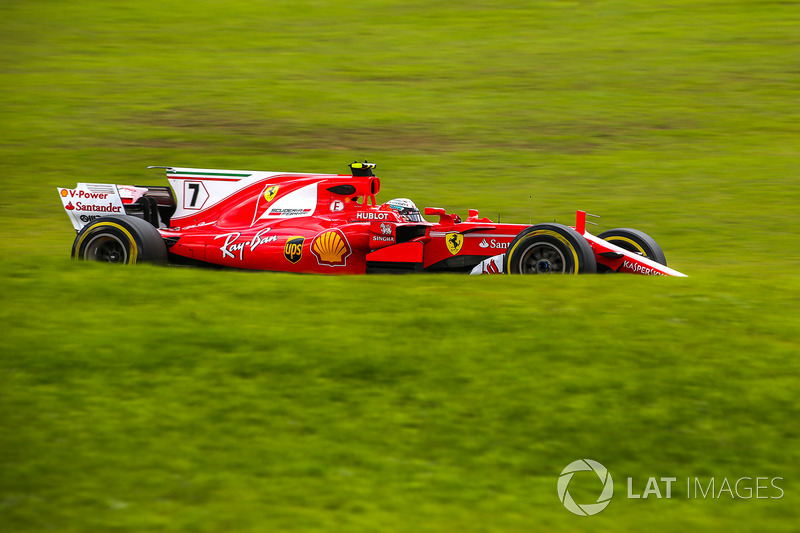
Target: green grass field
pixel 171 399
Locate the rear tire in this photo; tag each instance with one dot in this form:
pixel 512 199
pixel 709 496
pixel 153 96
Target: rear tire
pixel 635 241
pixel 120 240
pixel 549 249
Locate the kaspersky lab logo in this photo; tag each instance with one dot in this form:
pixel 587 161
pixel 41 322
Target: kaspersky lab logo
pixel 586 509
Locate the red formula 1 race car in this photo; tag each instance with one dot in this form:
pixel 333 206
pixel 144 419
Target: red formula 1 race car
pixel 328 224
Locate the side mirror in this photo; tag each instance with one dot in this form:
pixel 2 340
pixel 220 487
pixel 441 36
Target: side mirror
pixel 444 218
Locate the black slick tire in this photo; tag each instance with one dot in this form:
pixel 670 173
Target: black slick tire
pixel 120 239
pixel 549 249
pixel 635 241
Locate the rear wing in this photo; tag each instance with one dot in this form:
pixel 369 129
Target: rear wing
pixel 90 201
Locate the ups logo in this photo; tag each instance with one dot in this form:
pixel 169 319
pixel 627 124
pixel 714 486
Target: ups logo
pixel 293 249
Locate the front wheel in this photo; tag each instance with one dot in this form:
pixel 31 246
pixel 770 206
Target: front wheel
pixel 549 249
pixel 637 242
pixel 120 239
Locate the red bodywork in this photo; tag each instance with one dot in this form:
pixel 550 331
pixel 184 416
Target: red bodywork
pixel 332 224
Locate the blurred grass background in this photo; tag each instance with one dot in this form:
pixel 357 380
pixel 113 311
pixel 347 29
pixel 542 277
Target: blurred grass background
pixel 154 399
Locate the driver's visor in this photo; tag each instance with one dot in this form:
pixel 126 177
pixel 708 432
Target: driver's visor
pixel 410 214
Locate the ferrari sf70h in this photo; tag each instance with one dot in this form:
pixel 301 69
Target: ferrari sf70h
pixel 328 224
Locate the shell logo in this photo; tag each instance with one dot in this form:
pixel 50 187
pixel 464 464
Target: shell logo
pixel 331 248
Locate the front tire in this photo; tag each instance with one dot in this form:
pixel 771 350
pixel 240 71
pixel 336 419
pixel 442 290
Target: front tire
pixel 549 249
pixel 120 240
pixel 635 241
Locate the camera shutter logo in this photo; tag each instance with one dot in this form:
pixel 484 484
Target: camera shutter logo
pixel 587 509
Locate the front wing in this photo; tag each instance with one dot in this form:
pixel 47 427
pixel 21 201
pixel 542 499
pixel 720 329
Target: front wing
pixel 616 258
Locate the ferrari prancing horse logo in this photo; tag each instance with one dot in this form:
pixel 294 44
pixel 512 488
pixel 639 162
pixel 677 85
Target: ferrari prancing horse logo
pixel 454 242
pixel 270 192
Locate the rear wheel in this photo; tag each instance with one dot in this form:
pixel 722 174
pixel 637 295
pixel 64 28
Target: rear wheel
pixel 635 241
pixel 121 240
pixel 549 249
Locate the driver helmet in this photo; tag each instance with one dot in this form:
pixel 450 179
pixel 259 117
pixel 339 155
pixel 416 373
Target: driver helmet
pixel 405 209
